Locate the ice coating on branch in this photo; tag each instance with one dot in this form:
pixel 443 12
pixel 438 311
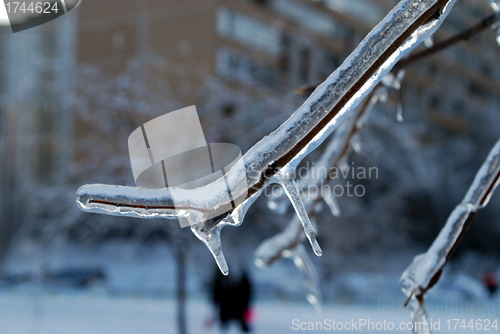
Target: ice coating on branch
pixel 425 270
pixel 154 203
pixel 285 178
pixel 486 180
pixel 102 198
pixel 311 282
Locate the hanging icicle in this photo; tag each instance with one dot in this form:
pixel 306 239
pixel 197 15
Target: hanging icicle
pixel 311 282
pixel 286 179
pixel 211 238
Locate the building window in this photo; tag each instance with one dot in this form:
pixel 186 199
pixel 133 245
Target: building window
pixel 366 10
pixel 248 31
pixel 310 18
pixel 238 67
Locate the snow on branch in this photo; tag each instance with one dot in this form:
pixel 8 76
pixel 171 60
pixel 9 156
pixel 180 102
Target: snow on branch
pixel 426 269
pixel 405 27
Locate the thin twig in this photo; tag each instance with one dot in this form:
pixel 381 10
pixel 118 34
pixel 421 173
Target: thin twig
pixel 465 35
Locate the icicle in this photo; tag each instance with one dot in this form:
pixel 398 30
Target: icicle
pixel 393 81
pixel 211 238
pixel 382 94
pixel 343 164
pixel 356 144
pixel 421 324
pixel 286 180
pixel 303 262
pixel 332 203
pixel 495 4
pixel 379 95
pixel 399 112
pixel 429 42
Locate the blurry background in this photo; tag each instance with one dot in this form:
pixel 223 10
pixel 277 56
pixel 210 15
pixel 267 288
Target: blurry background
pixel 72 90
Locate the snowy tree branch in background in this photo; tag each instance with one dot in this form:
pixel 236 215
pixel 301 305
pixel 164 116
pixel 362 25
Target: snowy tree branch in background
pixel 426 269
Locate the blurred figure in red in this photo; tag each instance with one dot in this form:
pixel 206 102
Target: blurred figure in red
pixel 232 297
pixel 491 283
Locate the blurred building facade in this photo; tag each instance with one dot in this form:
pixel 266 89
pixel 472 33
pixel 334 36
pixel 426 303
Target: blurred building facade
pixel 36 73
pixel 277 45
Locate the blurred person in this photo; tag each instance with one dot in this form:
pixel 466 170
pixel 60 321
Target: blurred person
pixel 232 298
pixel 491 283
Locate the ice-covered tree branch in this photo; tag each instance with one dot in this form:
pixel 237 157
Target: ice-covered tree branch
pixel 426 269
pixel 406 26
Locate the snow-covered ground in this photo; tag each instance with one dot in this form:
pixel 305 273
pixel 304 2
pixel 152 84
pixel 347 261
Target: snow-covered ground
pixel 137 297
pixel 92 313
